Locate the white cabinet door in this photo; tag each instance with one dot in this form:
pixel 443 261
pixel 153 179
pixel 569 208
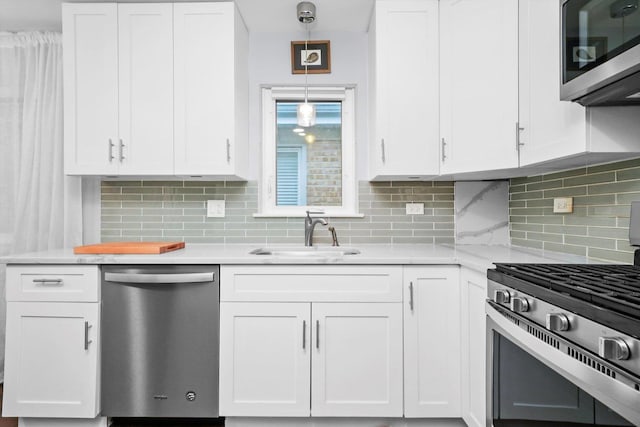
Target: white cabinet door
pixel 551 129
pixel 479 84
pixel 432 342
pixel 90 56
pixel 265 359
pixel 474 295
pixel 145 43
pixel 204 87
pixel 406 138
pixel 357 360
pixel 51 366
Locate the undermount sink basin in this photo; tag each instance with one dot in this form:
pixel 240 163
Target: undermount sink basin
pixel 311 251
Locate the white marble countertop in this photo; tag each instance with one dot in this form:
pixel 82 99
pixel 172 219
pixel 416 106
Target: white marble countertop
pixel 477 257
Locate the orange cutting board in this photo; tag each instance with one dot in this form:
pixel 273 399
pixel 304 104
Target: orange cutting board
pixel 129 248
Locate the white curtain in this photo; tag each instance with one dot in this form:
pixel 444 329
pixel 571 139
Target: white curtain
pixel 40 208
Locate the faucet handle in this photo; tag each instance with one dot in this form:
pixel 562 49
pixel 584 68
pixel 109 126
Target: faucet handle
pixel 309 213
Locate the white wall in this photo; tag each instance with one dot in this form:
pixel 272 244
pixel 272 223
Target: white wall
pixel 270 64
pixel 21 15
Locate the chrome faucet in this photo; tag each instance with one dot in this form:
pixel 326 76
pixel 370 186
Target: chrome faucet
pixel 310 224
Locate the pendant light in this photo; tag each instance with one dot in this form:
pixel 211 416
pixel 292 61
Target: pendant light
pixel 306 112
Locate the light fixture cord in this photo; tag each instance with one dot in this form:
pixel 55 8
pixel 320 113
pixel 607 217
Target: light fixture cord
pixel 306 64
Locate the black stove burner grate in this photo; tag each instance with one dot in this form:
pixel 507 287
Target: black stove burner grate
pixel 615 287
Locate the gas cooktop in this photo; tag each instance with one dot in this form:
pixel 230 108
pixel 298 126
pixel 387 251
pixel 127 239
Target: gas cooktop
pixel 605 293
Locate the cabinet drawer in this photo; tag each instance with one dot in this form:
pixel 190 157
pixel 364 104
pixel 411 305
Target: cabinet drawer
pixel 53 283
pixel 300 283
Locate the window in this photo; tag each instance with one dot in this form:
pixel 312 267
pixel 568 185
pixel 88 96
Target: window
pixel 309 168
pixel 291 182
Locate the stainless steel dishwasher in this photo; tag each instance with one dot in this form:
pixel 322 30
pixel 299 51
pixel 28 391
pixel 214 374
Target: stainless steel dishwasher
pixel 160 341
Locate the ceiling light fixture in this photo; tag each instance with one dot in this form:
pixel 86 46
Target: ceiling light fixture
pixel 306 112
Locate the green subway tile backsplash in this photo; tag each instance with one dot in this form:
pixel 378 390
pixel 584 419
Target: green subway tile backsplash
pixel 176 210
pixel 598 226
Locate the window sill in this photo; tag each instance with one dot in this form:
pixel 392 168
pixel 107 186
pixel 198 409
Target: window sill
pixel 303 214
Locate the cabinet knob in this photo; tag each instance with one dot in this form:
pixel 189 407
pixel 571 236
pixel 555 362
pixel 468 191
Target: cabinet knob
pixel 502 296
pixel 519 305
pixel 613 348
pixel 557 322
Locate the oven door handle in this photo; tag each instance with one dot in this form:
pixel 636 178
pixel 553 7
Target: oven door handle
pixel 620 397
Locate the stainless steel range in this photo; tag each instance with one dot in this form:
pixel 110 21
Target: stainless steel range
pixel 563 345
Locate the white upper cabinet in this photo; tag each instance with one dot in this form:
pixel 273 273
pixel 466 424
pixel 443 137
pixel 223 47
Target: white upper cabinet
pixel 404 85
pixel 550 128
pixel 559 133
pixel 479 85
pixel 90 56
pixel 211 89
pixel 145 36
pixel 155 89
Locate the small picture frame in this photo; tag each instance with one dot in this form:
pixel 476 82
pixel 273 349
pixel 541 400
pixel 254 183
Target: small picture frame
pixel 316 56
pixel 580 54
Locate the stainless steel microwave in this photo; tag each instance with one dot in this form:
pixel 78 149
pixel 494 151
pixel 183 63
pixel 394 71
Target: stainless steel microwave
pixel 600 48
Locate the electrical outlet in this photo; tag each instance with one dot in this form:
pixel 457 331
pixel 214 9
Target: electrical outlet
pixel 563 205
pixel 415 208
pixel 215 208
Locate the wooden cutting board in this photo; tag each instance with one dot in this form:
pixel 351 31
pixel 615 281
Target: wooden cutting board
pixel 129 248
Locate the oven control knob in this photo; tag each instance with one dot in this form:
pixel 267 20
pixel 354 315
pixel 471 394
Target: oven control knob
pixel 613 348
pixel 502 296
pixel 557 322
pixel 519 305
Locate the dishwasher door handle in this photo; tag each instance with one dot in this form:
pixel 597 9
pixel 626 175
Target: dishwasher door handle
pixel 167 278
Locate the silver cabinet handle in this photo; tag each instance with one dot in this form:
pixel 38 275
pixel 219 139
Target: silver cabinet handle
pixel 228 151
pixel 304 334
pixel 411 295
pixel 444 155
pixel 518 130
pixel 87 341
pixel 121 150
pixel 384 157
pixel 158 278
pixel 45 282
pixel 111 144
pixel 317 334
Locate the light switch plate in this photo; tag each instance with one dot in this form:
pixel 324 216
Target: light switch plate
pixel 215 208
pixel 563 205
pixel 415 208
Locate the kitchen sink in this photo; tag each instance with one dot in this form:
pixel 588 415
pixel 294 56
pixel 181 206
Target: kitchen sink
pixel 311 251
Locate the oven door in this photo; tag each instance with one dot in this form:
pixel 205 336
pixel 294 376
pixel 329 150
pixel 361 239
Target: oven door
pixel 536 378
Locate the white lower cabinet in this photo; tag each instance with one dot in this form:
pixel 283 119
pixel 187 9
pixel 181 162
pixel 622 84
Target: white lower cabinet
pixel 432 342
pixel 356 360
pixel 474 389
pixel 324 356
pixel 265 359
pixel 301 359
pixel 51 360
